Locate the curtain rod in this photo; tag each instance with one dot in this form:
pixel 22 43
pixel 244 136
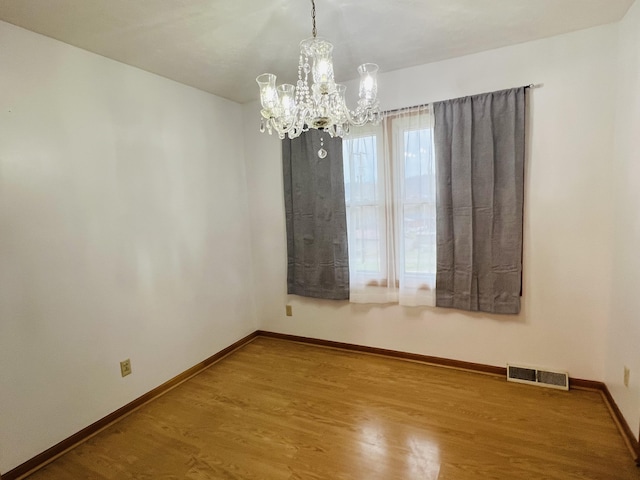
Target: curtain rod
pixel 396 110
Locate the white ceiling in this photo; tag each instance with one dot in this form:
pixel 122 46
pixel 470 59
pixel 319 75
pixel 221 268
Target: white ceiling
pixel 220 46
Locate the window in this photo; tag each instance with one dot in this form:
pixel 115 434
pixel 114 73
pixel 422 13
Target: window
pixel 389 174
pixel 365 204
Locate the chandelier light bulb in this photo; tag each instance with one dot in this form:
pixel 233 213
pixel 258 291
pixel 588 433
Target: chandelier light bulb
pixel 322 62
pixel 368 82
pixel 321 71
pixel 286 93
pixel 316 102
pixel 268 93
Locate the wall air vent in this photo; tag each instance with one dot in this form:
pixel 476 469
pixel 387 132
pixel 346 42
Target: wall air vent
pixel 536 376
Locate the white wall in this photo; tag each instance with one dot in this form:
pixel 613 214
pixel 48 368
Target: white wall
pixel 124 233
pixel 623 345
pixel 567 243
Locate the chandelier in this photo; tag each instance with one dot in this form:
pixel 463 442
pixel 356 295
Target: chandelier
pixel 320 104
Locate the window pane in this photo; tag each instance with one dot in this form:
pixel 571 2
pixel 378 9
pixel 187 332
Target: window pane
pixel 419 238
pixel 419 167
pixel 365 242
pixel 360 160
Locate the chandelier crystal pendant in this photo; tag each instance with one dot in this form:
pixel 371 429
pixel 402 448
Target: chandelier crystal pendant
pixel 318 102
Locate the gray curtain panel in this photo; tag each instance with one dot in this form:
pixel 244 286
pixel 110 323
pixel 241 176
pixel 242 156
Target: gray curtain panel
pixel 480 149
pixel 317 248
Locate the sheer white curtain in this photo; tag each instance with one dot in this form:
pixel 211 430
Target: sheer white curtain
pixel 367 177
pixel 389 176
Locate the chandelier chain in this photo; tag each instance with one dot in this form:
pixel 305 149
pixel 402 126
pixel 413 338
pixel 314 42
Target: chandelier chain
pixel 313 16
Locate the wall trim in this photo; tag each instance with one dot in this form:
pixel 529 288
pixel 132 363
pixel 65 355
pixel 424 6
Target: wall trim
pixel 577 383
pixel 49 455
pixel 623 426
pixel 444 362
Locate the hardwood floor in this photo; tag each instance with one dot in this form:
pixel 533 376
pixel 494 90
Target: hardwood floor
pixel 280 410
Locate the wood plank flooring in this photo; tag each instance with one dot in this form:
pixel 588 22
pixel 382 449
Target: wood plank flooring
pixel 285 411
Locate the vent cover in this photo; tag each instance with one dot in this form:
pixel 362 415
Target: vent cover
pixel 535 376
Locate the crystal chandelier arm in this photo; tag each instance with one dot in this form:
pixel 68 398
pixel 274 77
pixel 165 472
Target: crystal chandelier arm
pixel 316 102
pixel 362 116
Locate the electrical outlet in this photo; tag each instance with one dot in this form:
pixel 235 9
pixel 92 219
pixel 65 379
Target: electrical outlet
pixel 125 367
pixel 289 311
pixel 627 372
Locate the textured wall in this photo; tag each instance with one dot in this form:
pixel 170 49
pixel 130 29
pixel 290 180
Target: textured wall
pixel 124 233
pixel 624 327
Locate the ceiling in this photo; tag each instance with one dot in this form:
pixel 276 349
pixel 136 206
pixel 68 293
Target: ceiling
pixel 220 46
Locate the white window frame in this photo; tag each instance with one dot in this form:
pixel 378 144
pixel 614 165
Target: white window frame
pixel 386 285
pixel 381 276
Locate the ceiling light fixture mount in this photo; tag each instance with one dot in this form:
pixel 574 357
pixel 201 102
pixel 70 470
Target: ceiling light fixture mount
pixel 320 104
